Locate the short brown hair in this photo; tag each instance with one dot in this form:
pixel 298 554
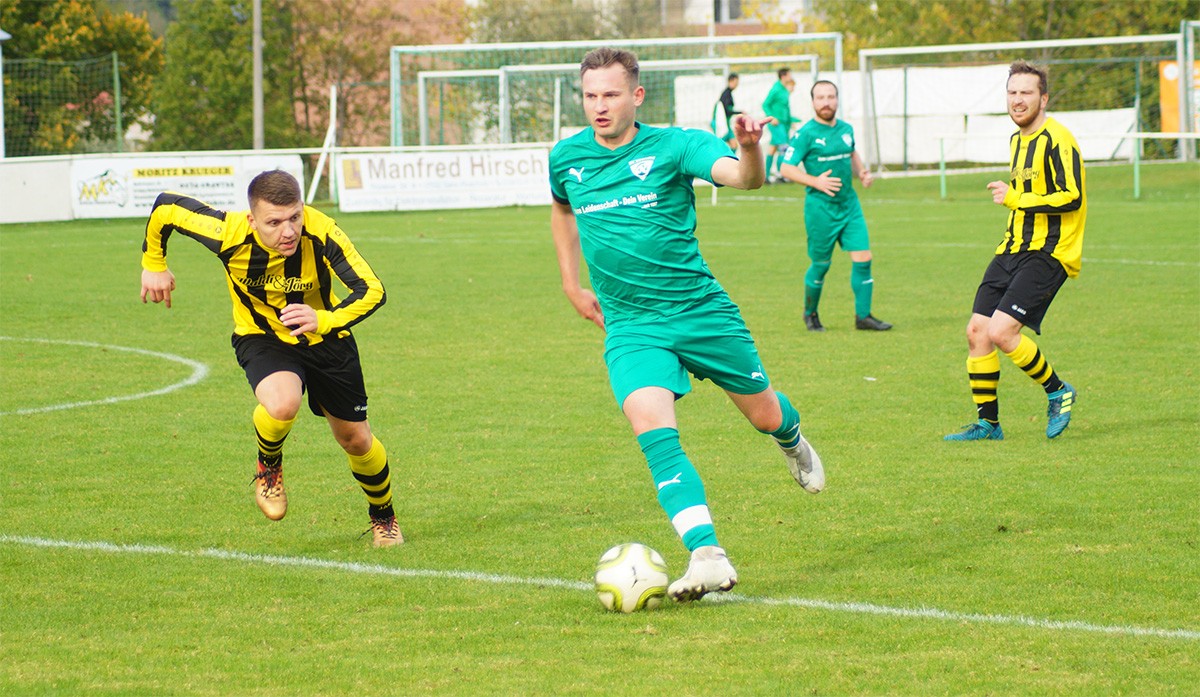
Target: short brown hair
pixel 1024 68
pixel 812 91
pixel 275 187
pixel 606 56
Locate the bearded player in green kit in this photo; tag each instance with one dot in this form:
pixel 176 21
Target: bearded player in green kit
pixel 623 200
pixel 822 157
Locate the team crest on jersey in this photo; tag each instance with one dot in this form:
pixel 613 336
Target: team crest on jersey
pixel 641 167
pixel 847 139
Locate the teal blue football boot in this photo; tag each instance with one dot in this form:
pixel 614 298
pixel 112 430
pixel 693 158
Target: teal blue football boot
pixel 980 430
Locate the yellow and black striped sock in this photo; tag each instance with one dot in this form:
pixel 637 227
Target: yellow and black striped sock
pixel 371 471
pixel 271 433
pixel 1029 358
pixel 984 375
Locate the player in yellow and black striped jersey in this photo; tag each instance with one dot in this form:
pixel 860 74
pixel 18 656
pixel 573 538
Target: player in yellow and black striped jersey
pixel 263 281
pixel 1042 247
pixel 1045 196
pixel 291 330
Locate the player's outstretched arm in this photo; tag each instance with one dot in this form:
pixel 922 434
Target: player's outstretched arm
pixel 157 286
pixel 748 170
pixel 566 246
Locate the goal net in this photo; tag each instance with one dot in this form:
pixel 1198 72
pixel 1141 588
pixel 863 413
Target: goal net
pixel 529 92
pixel 57 107
pixel 939 104
pixel 542 103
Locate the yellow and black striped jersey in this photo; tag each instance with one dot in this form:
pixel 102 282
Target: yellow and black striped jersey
pixel 261 281
pixel 1046 196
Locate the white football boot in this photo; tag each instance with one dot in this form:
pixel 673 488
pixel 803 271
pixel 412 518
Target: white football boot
pixel 708 571
pixel 805 466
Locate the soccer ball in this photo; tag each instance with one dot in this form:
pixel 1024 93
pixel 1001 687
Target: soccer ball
pixel 631 577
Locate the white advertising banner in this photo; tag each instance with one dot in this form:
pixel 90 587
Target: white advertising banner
pixel 439 180
pixel 127 187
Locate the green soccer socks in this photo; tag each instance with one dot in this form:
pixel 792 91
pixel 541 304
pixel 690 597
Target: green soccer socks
pixel 814 281
pixel 788 433
pixel 862 284
pixel 680 491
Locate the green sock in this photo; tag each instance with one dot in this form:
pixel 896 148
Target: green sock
pixel 814 282
pixel 862 284
pixel 788 433
pixel 680 491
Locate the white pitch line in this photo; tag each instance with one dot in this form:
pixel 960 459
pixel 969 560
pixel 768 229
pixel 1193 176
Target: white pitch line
pixel 199 371
pixel 807 603
pixel 1139 262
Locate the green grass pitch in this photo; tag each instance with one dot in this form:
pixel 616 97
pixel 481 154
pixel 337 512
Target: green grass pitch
pixel 134 562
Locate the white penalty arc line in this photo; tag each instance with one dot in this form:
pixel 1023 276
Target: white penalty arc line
pixel 500 579
pixel 199 372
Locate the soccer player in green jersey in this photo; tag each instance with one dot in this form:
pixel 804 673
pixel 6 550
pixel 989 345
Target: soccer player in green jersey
pixel 291 332
pixel 832 214
pixel 624 201
pixel 778 108
pixel 1042 247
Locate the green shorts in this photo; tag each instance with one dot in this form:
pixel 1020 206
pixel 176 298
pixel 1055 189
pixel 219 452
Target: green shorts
pixel 828 222
pixel 779 136
pixel 710 341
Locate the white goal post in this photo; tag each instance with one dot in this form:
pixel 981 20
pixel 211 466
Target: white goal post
pixel 407 63
pixel 570 70
pixel 1068 52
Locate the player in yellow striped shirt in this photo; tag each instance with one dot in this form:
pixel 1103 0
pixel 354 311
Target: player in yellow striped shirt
pixel 291 331
pixel 1042 247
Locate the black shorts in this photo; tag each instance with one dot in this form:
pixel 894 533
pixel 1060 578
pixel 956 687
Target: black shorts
pixel 329 371
pixel 1020 285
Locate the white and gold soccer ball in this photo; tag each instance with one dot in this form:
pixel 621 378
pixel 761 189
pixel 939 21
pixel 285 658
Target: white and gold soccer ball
pixel 631 577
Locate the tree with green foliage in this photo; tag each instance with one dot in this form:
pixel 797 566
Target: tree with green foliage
pixel 631 19
pixel 534 20
pixel 63 99
pixel 566 20
pixel 204 99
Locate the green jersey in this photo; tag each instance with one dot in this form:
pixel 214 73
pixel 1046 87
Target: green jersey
pixel 635 209
pixel 778 104
pixel 818 148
